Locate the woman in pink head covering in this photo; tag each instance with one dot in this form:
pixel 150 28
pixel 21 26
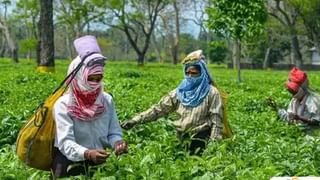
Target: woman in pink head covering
pixel 304 106
pixel 85 117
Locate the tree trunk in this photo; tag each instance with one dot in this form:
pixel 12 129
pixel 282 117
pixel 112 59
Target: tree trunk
pixel 15 55
pixel 127 48
pixel 237 58
pixel 46 37
pixel 287 15
pixel 295 49
pixel 169 36
pixel 70 53
pixel 28 55
pixel 141 59
pixel 13 48
pixel 3 47
pixel 2 51
pixel 316 40
pixel 37 35
pixel 11 44
pixel 266 58
pixel 38 50
pixel 143 26
pixel 5 11
pixel 88 28
pixel 234 55
pixel 157 48
pixel 175 49
pixel 208 40
pixel 174 55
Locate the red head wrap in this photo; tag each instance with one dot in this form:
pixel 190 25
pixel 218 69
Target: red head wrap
pixel 296 78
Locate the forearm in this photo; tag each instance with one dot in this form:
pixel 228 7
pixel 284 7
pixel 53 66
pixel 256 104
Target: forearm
pixel 216 117
pixel 166 105
pixel 217 126
pixel 216 133
pixel 114 135
pixel 114 131
pixel 283 114
pixel 149 115
pixel 307 120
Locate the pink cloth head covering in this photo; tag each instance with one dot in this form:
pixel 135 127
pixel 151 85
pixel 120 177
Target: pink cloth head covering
pixel 87 102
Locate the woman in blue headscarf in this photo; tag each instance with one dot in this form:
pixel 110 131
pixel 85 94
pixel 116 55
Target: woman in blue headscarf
pixel 197 102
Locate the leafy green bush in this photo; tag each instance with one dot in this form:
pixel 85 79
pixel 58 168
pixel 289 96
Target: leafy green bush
pixel 262 147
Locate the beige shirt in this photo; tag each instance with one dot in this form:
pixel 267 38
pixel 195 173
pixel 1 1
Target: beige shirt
pixel 208 114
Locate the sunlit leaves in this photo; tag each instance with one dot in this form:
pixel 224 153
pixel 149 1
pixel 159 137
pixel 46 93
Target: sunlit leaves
pixel 237 19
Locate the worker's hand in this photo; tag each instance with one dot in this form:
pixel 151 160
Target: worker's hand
pixel 293 118
pixel 128 124
pixel 96 155
pixel 120 147
pixel 271 102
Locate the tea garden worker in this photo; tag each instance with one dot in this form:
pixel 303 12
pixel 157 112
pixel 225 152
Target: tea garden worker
pixel 196 101
pixel 85 117
pixel 304 106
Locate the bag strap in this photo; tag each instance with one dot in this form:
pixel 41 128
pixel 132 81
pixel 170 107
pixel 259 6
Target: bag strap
pixel 71 75
pixel 74 72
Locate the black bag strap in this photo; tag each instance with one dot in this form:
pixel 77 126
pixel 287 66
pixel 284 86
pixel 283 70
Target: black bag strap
pixel 43 110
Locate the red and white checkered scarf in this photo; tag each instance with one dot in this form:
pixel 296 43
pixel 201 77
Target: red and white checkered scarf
pixel 87 102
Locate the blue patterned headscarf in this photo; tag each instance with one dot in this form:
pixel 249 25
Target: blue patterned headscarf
pixel 192 90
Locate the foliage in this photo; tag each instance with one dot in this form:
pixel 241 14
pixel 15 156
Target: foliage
pixel 137 19
pixel 27 10
pixel 74 18
pixel 188 43
pixel 218 51
pixel 27 45
pixel 104 44
pixel 310 13
pixel 277 38
pixel 237 19
pixel 76 14
pixel 25 16
pixel 262 147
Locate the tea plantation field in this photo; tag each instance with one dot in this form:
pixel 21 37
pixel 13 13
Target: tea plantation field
pixel 261 148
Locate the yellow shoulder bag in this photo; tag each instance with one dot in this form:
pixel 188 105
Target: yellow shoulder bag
pixel 36 138
pixel 226 130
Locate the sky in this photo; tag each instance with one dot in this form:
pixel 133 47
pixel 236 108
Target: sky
pixel 187 27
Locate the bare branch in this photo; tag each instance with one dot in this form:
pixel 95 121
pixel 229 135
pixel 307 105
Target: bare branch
pixel 283 12
pixel 277 17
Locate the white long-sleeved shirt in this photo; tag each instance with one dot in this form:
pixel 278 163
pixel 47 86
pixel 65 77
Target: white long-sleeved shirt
pixel 74 137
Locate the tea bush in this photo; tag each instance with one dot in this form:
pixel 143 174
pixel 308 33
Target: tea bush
pixel 262 146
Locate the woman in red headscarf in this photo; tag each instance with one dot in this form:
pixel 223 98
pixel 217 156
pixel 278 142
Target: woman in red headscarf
pixel 304 106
